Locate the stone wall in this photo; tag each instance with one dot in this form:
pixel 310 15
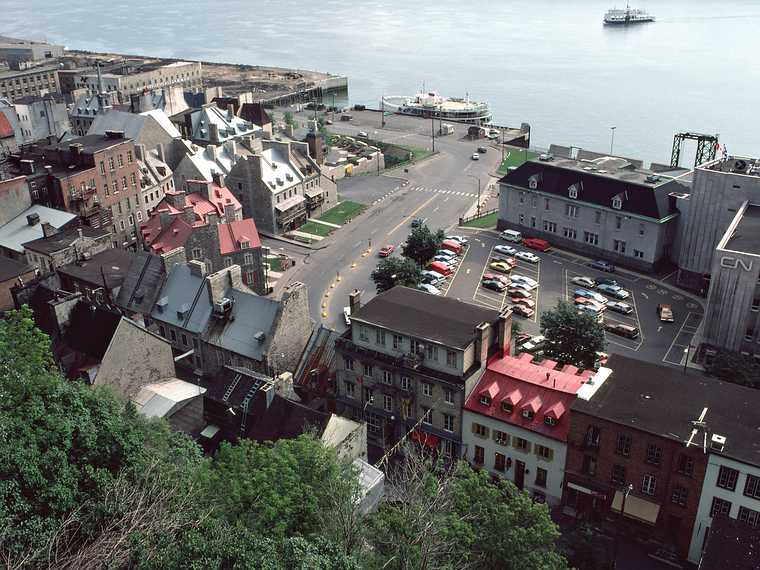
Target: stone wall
pixel 292 328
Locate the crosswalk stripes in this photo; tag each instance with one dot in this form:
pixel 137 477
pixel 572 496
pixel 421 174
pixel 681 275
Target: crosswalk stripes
pixel 444 191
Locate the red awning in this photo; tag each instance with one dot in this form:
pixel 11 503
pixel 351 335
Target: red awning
pixel 426 439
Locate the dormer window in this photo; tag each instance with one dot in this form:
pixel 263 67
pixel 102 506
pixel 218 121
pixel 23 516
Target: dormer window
pixel 485 400
pixel 533 182
pixel 550 421
pixel 245 244
pixel 617 202
pixel 527 414
pixel 507 408
pixel 572 191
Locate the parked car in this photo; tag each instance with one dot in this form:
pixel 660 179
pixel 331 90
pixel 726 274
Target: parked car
pixel 445 259
pixel 589 311
pixel 530 303
pixel 503 278
pixel 502 266
pixel 665 312
pixel 524 279
pixel 446 253
pixel 613 291
pixel 619 307
pixel 536 243
pixel 494 285
pixel 461 239
pixel 328 122
pixel 584 282
pixel 385 251
pixel 432 277
pixel 482 150
pixel 475 156
pixel 518 293
pixel 505 249
pixel 590 295
pixel 602 265
pixel 586 303
pixel 620 294
pixel 347 316
pixel 418 222
pixel 522 285
pixel 607 281
pixel 362 135
pixel 527 256
pixel 622 330
pixel 452 245
pixel 440 267
pixel 428 288
pixel 522 338
pixel 523 311
pixel 511 235
pixel 534 343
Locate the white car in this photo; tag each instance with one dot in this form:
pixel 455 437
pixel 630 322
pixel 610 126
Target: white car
pixel 459 239
pixel 527 256
pixel 451 262
pixel 533 344
pixel 347 316
pixel 532 282
pixel 505 249
pixel 584 282
pixel 446 253
pixel 362 135
pixel 520 285
pixel 429 289
pixel 475 156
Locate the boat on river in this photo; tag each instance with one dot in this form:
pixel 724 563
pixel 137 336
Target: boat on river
pixel 618 17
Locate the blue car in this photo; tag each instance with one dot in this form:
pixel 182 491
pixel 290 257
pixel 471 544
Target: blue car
pixel 602 266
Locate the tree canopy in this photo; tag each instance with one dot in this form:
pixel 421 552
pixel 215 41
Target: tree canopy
pixel 422 244
pixel 731 366
pixel 393 271
pixel 572 337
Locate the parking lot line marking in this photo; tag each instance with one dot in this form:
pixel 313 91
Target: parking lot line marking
pixel 638 323
pixel 675 338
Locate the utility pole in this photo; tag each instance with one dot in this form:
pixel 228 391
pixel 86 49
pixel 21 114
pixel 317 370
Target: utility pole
pixel 478 179
pixel 333 107
pixel 626 491
pixel 382 112
pixel 612 138
pixel 432 130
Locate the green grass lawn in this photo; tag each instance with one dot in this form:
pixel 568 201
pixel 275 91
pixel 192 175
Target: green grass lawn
pixel 487 221
pixel 274 264
pixel 514 156
pixel 316 229
pixel 341 213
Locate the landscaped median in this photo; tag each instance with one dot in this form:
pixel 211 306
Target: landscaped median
pixel 486 221
pixel 318 228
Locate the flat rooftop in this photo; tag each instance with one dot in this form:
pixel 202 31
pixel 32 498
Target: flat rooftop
pixel 740 165
pixel 31 71
pixel 746 236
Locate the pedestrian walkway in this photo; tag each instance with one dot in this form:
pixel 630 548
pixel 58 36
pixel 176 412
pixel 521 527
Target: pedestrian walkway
pixel 444 191
pixel 328 224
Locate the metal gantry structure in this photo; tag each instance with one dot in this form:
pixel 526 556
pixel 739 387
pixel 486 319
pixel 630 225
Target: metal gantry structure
pixel 707 146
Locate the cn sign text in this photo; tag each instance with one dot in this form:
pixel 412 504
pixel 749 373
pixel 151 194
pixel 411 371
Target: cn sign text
pixel 735 263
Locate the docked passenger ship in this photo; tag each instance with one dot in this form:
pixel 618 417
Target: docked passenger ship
pixel 432 105
pixel 627 16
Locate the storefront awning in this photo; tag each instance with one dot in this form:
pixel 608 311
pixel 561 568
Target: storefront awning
pixel 586 490
pixel 286 205
pixel 315 192
pixel 426 439
pixel 636 508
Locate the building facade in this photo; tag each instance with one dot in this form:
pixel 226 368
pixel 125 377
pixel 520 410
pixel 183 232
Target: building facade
pixel 408 361
pixel 42 117
pixel 516 422
pixel 60 248
pixel 36 81
pixel 19 51
pixel 608 207
pixel 281 187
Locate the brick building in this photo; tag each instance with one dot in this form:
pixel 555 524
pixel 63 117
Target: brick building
pixel 12 273
pixel 630 441
pixel 408 361
pixel 96 177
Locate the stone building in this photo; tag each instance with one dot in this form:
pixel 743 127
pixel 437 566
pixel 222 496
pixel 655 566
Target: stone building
pixel 601 206
pixel 18 51
pixel 202 163
pixel 408 362
pixel 212 125
pixel 37 81
pixel 281 187
pixel 12 273
pixel 59 248
pixel 42 116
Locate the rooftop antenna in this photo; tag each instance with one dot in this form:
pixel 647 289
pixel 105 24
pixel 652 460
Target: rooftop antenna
pixel 699 425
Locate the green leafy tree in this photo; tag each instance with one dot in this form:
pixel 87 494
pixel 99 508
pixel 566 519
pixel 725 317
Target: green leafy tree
pixel 422 244
pixel 394 271
pixel 731 366
pixel 572 337
pixel 287 117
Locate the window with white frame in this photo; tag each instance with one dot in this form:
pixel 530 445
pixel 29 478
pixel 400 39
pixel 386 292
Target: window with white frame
pixel 638 253
pixel 405 383
pixel 572 191
pixel 427 389
pixel 571 210
pixel 448 422
pixel 449 396
pixel 648 484
pixel 197 253
pixel 387 403
pixel 248 259
pixel 363 333
pixel 570 233
pixel 485 399
pixel 350 389
pixel 451 358
pixel 617 202
pixel 348 363
pixel 427 415
pixel 367 369
pixel 398 341
pixel 387 377
pixel 720 507
pixel 749 516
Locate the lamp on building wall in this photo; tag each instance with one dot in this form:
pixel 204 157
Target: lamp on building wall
pixel 509 463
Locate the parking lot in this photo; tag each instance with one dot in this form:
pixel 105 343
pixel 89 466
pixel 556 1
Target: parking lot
pixel 657 341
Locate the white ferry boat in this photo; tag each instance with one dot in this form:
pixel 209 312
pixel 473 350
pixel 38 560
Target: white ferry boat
pixel 627 16
pixel 431 105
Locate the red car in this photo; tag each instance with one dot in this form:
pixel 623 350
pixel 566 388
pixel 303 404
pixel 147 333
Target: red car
pixel 386 251
pixel 530 303
pixel 496 277
pixel 535 243
pixel 523 311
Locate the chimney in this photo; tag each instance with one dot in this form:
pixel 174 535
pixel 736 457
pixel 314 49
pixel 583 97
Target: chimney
pixel 355 301
pixel 189 125
pixel 48 229
pixel 505 332
pixel 172 258
pixel 197 268
pixel 213 151
pixel 212 218
pixel 218 179
pixel 79 233
pixel 140 151
pixel 213 133
pixel 165 218
pixel 76 151
pixel 160 151
pixel 232 149
pixel 27 166
pixel 33 219
pixel 189 214
pixel 482 332
pixel 218 283
pixel 114 134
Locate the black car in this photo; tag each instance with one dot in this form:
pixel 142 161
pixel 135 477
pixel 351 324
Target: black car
pixel 494 285
pixel 418 222
pixel 482 150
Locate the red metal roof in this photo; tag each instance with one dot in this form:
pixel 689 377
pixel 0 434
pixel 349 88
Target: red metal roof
pixel 5 127
pixel 174 236
pixel 233 234
pixel 218 197
pixel 539 388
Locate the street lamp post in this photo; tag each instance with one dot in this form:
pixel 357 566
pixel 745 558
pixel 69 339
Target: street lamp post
pixel 612 138
pixel 626 491
pixel 478 179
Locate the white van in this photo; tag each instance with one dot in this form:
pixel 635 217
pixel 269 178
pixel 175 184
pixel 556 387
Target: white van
pixel 512 235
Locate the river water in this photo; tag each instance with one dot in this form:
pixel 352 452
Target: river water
pixel 546 62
